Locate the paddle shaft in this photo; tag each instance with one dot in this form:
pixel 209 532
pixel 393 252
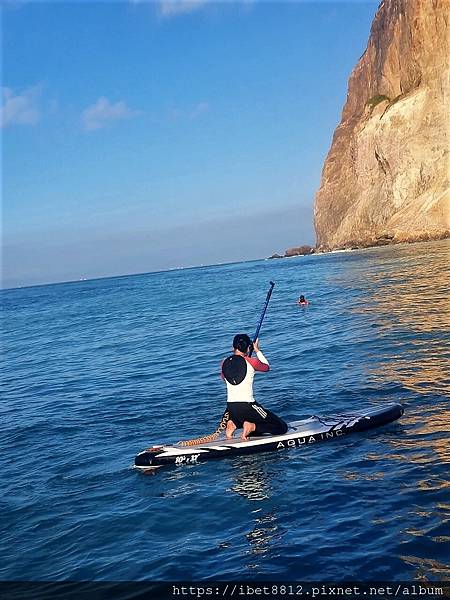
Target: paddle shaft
pixel 263 314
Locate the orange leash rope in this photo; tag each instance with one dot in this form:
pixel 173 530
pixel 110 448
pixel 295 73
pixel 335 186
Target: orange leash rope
pixel 212 436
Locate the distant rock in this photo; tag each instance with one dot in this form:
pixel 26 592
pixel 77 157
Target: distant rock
pixel 298 251
pixel 276 256
pixel 386 177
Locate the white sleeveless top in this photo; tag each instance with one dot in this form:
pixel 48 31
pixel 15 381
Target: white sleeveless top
pixel 243 392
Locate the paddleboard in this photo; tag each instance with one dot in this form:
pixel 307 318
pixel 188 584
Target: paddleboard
pixel 300 433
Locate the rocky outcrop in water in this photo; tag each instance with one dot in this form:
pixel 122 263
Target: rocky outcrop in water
pixel 298 251
pixel 295 251
pixel 386 176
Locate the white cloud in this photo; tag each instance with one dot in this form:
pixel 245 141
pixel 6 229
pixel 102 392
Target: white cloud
pixel 174 8
pixel 103 112
pixel 21 108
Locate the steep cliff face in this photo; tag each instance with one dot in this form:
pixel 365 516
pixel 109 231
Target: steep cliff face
pixel 386 176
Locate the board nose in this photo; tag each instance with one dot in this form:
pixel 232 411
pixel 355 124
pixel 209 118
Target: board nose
pixel 144 459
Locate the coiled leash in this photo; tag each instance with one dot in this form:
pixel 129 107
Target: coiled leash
pixel 212 436
pixel 226 415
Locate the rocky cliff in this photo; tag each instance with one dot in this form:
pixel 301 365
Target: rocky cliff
pixel 386 176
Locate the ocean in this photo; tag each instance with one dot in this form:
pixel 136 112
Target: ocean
pixel 96 371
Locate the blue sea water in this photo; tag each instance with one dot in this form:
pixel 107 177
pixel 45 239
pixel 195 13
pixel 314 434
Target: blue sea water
pixel 96 371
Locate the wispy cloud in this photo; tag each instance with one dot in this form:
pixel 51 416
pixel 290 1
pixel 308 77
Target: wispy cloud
pixel 20 108
pixel 174 8
pixel 199 109
pixel 190 113
pixel 13 4
pixel 104 112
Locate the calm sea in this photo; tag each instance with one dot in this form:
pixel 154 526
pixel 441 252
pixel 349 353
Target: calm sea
pixel 96 371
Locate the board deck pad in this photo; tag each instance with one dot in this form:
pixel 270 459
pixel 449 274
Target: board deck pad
pixel 300 433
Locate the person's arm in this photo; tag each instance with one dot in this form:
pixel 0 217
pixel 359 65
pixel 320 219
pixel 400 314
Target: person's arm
pixel 260 363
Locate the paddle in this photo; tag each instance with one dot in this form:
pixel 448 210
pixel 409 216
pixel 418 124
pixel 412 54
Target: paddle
pixel 226 416
pixel 263 314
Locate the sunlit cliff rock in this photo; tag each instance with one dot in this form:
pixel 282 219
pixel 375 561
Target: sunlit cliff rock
pixel 386 176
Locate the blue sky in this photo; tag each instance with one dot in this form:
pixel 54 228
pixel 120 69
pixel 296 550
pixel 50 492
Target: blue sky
pixel 144 136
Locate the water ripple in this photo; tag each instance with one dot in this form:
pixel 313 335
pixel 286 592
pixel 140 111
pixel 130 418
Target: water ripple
pixel 97 370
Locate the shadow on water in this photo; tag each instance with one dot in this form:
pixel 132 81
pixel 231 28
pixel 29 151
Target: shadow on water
pixel 253 480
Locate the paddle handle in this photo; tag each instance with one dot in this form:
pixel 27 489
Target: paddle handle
pixel 263 314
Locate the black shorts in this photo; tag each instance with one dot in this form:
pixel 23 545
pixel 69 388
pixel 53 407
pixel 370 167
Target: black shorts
pixel 265 421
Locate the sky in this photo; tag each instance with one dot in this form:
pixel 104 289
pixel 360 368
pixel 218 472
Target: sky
pixel 142 136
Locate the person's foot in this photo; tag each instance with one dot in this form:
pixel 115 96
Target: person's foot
pixel 231 427
pixel 247 429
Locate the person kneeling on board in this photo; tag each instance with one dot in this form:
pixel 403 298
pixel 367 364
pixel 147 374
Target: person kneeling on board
pixel 238 371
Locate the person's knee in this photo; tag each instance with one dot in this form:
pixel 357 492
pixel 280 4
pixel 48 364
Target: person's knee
pixel 283 427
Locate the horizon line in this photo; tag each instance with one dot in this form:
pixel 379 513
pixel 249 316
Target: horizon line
pixel 138 274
